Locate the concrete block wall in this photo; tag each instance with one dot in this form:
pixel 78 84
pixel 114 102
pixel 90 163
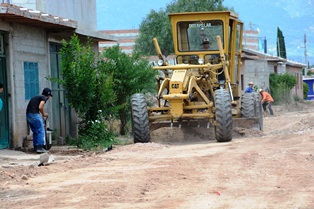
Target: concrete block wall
pixel 256 71
pixel 29 44
pixel 298 89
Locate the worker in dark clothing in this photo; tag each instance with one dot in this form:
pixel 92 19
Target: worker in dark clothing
pixel 34 113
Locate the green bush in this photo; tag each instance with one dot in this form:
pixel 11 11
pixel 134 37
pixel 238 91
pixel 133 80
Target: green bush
pixel 130 74
pixel 309 72
pixel 306 90
pixel 89 91
pixel 99 86
pixel 96 137
pixel 281 86
pixel 281 94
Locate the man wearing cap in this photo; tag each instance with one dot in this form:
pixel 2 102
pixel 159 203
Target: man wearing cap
pixel 267 100
pixel 205 43
pixel 35 120
pixel 249 88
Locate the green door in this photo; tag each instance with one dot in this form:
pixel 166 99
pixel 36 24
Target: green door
pixel 4 113
pixel 61 111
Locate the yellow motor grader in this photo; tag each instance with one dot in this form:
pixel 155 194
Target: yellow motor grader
pixel 202 86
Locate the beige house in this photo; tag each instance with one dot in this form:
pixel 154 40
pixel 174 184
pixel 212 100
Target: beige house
pixel 257 67
pixel 31 33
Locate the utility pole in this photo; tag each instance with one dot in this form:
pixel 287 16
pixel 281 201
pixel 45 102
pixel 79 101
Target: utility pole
pixel 251 26
pixel 305 49
pixel 305 58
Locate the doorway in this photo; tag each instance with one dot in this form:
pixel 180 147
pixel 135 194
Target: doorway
pixel 60 108
pixel 4 112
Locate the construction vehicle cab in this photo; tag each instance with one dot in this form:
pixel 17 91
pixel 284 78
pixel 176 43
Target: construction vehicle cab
pixel 202 87
pixel 195 42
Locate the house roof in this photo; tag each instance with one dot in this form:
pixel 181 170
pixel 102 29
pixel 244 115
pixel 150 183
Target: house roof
pixel 308 78
pixel 16 14
pixel 253 54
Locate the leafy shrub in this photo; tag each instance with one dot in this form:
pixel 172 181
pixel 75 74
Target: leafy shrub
pixel 306 90
pixel 89 91
pixel 281 94
pixel 96 137
pixel 281 86
pixel 130 74
pixel 99 86
pixel 309 72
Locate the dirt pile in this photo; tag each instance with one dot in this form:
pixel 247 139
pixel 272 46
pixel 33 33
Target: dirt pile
pixel 180 169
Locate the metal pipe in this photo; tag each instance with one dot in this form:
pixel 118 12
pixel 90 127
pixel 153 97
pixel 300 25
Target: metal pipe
pixel 175 96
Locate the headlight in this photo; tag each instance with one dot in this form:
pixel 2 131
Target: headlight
pixel 200 61
pixel 160 62
pixel 222 82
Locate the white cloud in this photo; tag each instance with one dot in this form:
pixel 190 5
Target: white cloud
pixel 297 8
pixel 272 49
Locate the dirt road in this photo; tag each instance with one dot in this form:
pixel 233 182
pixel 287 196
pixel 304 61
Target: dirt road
pixel 180 170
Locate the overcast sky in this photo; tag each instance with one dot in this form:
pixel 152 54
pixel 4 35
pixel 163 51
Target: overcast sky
pixel 294 17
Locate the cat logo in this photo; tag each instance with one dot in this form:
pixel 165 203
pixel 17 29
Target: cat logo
pixel 175 85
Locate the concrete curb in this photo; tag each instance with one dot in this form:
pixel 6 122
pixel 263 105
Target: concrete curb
pixel 10 157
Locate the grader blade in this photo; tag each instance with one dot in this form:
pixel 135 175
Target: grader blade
pixel 180 124
pixel 248 123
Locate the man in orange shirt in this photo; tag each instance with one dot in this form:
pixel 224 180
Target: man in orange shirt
pixel 267 100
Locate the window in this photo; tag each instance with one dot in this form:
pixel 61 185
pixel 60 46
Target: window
pixel 31 82
pixel 199 35
pixel 238 40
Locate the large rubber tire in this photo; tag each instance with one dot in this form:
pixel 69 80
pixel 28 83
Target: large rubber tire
pixel 250 105
pixel 223 116
pixel 139 117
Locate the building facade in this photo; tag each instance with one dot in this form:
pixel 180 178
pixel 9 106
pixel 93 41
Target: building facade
pixel 126 39
pixel 250 39
pixel 257 67
pixel 30 42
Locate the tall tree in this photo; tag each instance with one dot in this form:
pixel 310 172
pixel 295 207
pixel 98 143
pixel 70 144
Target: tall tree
pixel 157 24
pixel 281 46
pixel 88 90
pixel 100 86
pixel 131 74
pixel 195 6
